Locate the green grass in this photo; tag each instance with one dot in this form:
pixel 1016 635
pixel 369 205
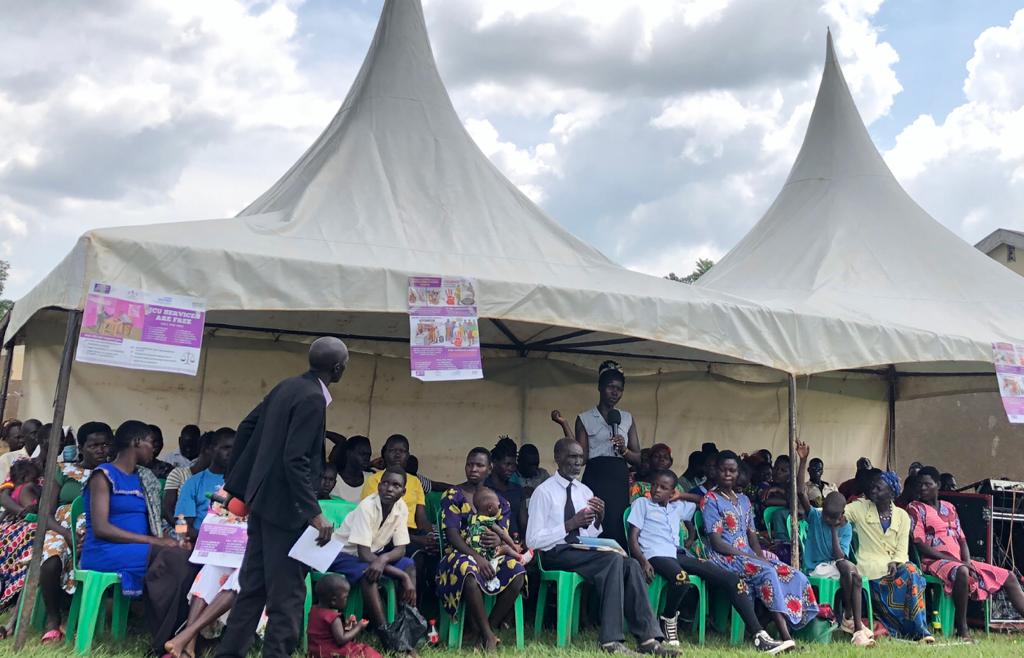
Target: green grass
pixel 997 645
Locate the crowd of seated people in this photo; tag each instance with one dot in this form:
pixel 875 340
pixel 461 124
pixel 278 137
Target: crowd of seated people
pixel 486 535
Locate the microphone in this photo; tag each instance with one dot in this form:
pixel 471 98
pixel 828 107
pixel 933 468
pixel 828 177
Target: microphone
pixel 234 505
pixel 615 419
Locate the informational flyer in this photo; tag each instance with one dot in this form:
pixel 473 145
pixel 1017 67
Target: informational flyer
pixel 444 330
pixel 141 330
pixel 221 541
pixel 1009 362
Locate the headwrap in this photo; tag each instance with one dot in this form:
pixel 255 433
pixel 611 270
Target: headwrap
pixel 893 481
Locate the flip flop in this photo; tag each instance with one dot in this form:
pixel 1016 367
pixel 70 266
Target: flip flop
pixel 56 635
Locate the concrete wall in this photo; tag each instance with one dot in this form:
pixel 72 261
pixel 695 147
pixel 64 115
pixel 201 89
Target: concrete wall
pixel 1001 254
pixel 967 435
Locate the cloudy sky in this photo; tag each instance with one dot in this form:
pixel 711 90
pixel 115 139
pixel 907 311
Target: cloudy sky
pixel 657 130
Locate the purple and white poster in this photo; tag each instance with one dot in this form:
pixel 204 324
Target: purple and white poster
pixel 444 331
pixel 129 328
pixel 1009 362
pixel 221 541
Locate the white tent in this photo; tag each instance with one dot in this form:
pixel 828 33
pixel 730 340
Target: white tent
pixel 395 187
pixel 843 239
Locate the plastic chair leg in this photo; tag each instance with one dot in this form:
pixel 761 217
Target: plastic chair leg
pixel 700 620
pixel 119 615
pixel 91 608
pixel 577 606
pixel 520 624
pixel 542 599
pixel 737 629
pixel 72 625
pixel 308 605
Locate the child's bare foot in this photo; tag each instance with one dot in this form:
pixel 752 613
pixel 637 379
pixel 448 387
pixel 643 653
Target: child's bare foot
pixel 179 648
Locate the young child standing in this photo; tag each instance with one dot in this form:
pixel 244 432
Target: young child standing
pixel 827 550
pixel 375 535
pixel 330 635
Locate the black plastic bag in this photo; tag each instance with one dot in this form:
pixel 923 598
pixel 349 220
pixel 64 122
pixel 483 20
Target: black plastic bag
pixel 406 633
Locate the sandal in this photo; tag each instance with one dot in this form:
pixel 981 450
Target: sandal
pixel 50 637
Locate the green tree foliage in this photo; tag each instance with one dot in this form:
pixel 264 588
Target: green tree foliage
pixel 5 304
pixel 703 265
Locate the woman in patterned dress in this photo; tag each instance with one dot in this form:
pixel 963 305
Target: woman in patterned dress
pixel 729 523
pixel 463 572
pixel 936 531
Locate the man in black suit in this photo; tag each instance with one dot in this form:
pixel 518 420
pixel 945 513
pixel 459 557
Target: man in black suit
pixel 275 468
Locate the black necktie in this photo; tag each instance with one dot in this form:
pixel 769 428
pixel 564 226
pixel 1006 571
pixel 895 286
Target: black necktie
pixel 573 536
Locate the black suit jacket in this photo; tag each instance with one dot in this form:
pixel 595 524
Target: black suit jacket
pixel 278 457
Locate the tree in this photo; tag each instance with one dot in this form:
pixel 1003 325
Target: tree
pixel 5 304
pixel 703 265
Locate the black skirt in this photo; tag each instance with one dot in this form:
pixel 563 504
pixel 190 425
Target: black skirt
pixel 608 478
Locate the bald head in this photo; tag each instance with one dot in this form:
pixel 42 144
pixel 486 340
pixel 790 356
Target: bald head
pixel 328 357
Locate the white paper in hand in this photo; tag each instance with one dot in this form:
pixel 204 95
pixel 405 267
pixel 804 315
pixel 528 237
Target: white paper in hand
pixel 308 552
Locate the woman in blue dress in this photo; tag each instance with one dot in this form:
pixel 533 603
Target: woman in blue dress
pixel 124 533
pixel 729 523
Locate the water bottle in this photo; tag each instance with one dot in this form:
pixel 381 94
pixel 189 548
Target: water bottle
pixel 936 623
pixel 180 528
pixel 432 635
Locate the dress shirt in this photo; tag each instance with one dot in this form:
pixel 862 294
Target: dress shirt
pixel 327 394
pixel 367 526
pixel 659 526
pixel 547 513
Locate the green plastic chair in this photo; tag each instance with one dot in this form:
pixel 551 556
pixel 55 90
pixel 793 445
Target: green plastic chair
pixel 768 513
pixel 335 511
pixel 433 506
pixel 568 590
pixel 87 603
pixel 657 590
pixel 827 588
pixel 452 628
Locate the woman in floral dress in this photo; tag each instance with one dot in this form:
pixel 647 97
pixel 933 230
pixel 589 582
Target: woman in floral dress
pixel 463 572
pixel 729 523
pixel 936 531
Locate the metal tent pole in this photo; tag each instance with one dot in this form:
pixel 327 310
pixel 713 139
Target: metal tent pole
pixel 5 379
pixel 890 450
pixel 49 496
pixel 794 510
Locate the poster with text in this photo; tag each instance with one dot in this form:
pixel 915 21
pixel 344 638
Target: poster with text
pixel 141 330
pixel 1009 362
pixel 444 331
pixel 221 541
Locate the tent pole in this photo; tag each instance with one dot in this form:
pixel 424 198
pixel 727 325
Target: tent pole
pixel 890 452
pixel 794 516
pixel 48 498
pixel 5 379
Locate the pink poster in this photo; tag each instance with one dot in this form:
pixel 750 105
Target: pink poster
pixel 221 541
pixel 129 328
pixel 1009 362
pixel 444 330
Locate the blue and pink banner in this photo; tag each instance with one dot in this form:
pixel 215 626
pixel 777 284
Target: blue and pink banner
pixel 128 328
pixel 1009 362
pixel 444 330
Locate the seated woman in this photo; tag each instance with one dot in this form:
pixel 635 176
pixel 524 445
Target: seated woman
pixel 463 571
pixel 123 533
pixel 897 586
pixel 944 553
pixel 352 458
pixel 729 524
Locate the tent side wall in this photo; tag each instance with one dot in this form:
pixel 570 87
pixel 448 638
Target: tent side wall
pixel 843 417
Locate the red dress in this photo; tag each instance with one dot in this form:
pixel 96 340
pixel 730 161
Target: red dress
pixel 940 529
pixel 321 640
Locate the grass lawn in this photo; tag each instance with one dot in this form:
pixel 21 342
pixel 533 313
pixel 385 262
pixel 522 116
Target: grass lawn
pixel 996 646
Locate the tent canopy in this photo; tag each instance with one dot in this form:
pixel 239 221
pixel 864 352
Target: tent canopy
pixel 396 187
pixel 843 239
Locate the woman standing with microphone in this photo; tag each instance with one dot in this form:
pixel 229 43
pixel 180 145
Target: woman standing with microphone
pixel 609 439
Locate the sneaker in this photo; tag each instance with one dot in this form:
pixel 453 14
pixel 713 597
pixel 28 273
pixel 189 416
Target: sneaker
pixel 670 627
pixel 862 639
pixel 764 642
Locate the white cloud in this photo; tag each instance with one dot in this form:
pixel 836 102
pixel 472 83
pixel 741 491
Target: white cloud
pixel 968 169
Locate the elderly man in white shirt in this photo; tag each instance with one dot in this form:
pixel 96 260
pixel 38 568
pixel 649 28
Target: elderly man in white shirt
pixel 563 509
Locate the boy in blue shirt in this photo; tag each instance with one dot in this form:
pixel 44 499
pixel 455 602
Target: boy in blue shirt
pixel 193 502
pixel 827 550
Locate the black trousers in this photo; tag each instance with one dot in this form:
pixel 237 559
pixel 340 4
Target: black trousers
pixel 268 578
pixel 715 577
pixel 620 584
pixel 169 577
